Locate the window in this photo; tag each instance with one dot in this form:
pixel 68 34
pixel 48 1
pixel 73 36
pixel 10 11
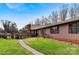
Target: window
pixel 74 28
pixel 77 27
pixel 42 31
pixel 54 29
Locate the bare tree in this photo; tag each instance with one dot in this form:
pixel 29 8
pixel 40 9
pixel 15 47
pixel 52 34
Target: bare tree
pixel 63 12
pixel 13 28
pixel 50 19
pixel 6 25
pixel 9 27
pixel 44 21
pixel 54 17
pixel 74 11
pixel 23 32
pixel 37 22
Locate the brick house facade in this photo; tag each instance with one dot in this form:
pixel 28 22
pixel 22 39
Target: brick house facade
pixel 67 30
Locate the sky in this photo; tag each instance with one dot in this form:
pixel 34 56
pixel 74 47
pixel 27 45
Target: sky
pixel 24 13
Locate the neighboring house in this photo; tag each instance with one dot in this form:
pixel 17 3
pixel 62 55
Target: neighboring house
pixel 1 32
pixel 68 29
pixel 4 34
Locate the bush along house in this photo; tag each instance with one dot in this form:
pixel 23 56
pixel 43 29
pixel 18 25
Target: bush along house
pixel 67 30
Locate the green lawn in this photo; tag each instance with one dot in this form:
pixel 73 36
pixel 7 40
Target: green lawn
pixel 11 47
pixel 52 47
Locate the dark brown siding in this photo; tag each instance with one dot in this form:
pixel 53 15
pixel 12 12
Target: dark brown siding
pixel 63 33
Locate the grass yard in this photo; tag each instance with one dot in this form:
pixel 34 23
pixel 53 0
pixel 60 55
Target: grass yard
pixel 11 47
pixel 52 47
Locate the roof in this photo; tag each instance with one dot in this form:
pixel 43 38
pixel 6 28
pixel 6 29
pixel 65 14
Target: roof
pixel 36 27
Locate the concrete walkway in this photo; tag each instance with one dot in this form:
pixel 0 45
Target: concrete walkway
pixel 29 48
